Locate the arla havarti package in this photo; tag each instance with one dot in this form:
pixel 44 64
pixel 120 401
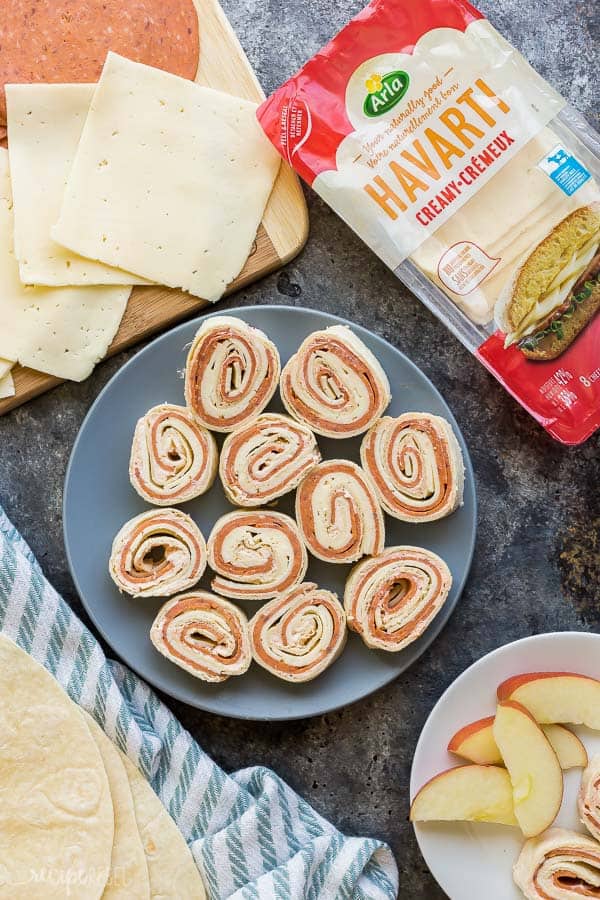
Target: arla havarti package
pixel 472 179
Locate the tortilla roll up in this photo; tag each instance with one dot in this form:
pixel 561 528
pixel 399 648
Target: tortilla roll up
pixel 588 799
pixel 266 459
pixel 338 513
pixel 390 599
pixel 416 465
pixel 558 865
pixel 173 459
pixel 203 634
pixel 158 554
pixel 256 555
pixel 299 634
pixel 334 384
pixel 232 371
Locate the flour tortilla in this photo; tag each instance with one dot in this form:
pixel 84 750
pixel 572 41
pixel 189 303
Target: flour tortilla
pixel 171 867
pixel 56 814
pixel 128 878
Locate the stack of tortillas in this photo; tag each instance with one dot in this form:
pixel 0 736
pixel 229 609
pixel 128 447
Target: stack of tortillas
pixel 77 818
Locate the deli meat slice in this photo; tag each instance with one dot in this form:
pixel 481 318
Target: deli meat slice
pixel 57 41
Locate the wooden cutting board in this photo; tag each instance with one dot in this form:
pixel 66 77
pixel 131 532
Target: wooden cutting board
pixel 284 228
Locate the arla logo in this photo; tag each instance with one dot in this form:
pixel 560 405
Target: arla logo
pixel 384 91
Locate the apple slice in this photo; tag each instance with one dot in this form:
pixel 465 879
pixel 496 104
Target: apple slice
pixel 553 697
pixel 476 743
pixel 567 746
pixel 533 767
pixel 466 794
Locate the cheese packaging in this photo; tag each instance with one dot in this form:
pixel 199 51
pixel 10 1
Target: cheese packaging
pixel 472 179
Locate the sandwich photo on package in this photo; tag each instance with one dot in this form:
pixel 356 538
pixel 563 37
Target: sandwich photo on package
pixel 471 178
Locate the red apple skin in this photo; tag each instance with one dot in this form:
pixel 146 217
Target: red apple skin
pixel 514 704
pixel 466 732
pixel 508 687
pixel 441 775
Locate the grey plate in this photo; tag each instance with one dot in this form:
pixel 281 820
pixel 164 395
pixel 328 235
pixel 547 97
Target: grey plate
pixel 98 499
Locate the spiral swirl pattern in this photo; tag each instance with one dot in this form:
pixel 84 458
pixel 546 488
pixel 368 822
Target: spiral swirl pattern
pixel 334 384
pixel 299 634
pixel 173 459
pixel 256 555
pixel 158 554
pixel 391 598
pixel 588 799
pixel 203 634
pixel 231 373
pixel 266 458
pixel 558 865
pixel 416 466
pixel 338 513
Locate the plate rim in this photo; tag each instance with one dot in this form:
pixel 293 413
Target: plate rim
pixel 203 703
pixel 544 637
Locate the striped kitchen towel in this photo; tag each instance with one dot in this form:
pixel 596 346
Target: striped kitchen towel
pixel 251 835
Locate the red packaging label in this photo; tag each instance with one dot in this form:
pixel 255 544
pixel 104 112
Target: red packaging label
pixel 561 394
pixel 441 147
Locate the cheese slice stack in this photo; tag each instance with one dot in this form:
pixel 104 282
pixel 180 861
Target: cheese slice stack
pixel 7 386
pixel 143 173
pixel 170 180
pixel 63 331
pixel 44 127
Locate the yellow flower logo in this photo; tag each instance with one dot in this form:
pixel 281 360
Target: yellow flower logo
pixel 373 84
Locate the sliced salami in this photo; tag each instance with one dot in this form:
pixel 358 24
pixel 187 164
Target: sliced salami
pixel 58 41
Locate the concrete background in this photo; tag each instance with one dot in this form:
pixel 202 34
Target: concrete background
pixel 537 562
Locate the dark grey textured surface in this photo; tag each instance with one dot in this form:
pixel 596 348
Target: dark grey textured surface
pixel 537 563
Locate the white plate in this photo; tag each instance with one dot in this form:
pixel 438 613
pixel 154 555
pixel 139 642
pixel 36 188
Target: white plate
pixel 471 861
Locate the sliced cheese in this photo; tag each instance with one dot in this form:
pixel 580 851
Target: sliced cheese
pixel 560 288
pixel 170 179
pixel 7 386
pixel 5 367
pixel 62 331
pixel 44 127
pixel 505 231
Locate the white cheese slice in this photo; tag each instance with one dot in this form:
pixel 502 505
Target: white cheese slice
pixel 44 127
pixel 170 179
pixel 5 366
pixel 63 331
pixel 565 281
pixel 7 386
